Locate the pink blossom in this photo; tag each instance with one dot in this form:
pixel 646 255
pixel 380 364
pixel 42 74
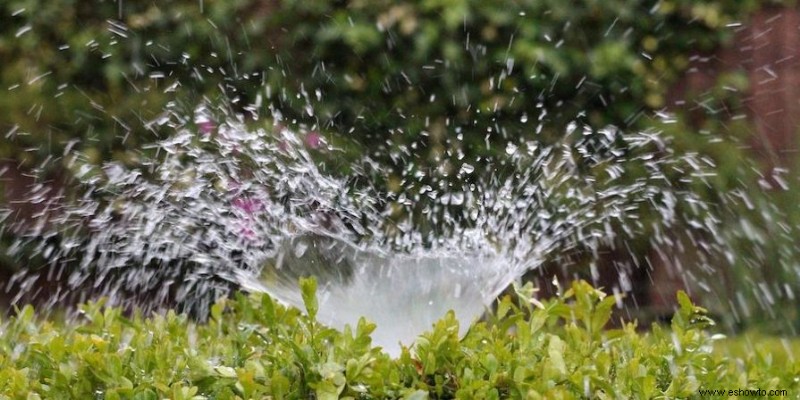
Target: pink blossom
pixel 249 205
pixel 206 127
pixel 247 233
pixel 313 140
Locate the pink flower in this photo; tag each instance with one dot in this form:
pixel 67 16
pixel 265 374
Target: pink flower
pixel 247 233
pixel 206 127
pixel 249 205
pixel 313 140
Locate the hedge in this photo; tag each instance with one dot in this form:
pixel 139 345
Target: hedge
pixel 255 348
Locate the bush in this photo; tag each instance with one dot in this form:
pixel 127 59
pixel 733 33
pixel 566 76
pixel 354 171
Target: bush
pixel 413 71
pixel 253 348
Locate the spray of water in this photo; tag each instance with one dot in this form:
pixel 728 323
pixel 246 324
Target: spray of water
pixel 223 204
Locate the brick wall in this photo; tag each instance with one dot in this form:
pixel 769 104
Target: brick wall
pixel 767 51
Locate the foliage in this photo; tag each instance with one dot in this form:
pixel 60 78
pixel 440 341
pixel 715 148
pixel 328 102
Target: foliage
pixel 254 348
pixel 403 72
pixel 98 73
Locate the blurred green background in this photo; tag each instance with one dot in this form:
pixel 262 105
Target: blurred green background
pixel 376 76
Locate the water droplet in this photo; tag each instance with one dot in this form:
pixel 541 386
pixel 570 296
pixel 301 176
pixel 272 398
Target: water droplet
pixel 300 249
pixel 511 149
pixel 457 198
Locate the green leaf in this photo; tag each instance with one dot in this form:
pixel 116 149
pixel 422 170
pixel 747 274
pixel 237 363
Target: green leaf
pixel 145 394
pixel 555 351
pixel 280 385
pixel 225 372
pixel 685 304
pixel 327 391
pixel 601 314
pixel 268 309
pixel 308 288
pixel 417 395
pixel 503 307
pixel 216 311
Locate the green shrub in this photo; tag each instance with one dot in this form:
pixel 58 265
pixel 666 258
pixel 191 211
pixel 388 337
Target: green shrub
pixel 411 71
pixel 254 348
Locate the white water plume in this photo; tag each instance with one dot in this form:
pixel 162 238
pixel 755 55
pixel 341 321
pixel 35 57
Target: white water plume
pixel 230 205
